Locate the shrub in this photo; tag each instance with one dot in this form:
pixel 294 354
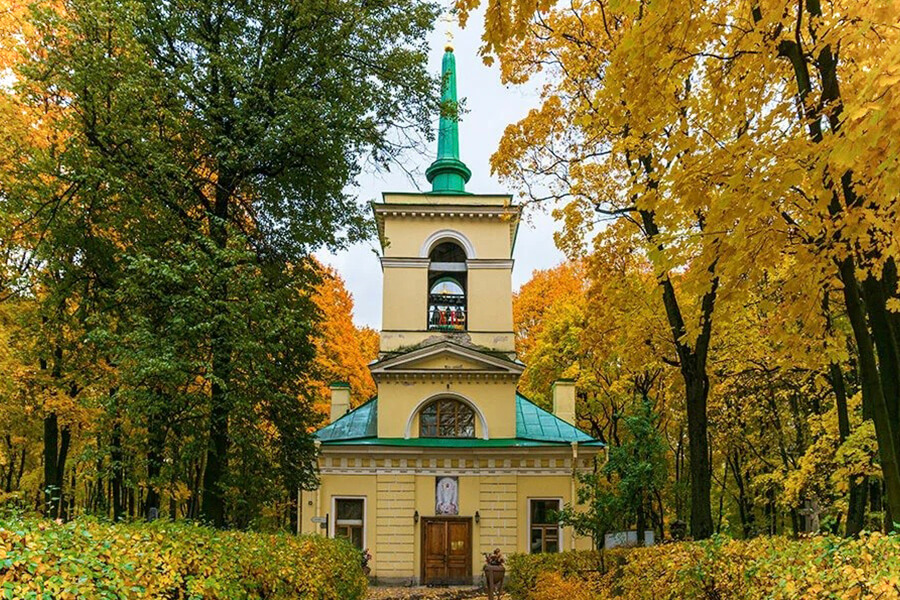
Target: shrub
pixel 525 569
pixel 90 559
pixel 769 568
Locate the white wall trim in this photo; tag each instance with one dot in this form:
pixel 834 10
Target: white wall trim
pixel 560 546
pixel 412 417
pixel 490 263
pixel 332 521
pixel 409 263
pixel 444 235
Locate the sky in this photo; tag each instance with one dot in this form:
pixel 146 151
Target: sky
pixel 490 107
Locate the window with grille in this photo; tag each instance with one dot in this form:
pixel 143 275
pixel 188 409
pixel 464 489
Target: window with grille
pixel 544 525
pixel 447 418
pixel 349 520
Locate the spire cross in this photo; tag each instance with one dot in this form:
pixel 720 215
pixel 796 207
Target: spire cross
pixel 448 20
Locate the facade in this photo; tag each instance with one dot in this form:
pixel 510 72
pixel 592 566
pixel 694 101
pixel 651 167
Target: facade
pixel 448 461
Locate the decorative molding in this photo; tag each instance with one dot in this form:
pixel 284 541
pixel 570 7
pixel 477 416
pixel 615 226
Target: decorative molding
pixel 449 472
pixel 443 235
pixel 446 375
pixel 459 464
pixel 490 263
pixel 414 263
pixel 402 364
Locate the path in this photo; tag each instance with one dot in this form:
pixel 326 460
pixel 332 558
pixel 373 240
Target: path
pixel 426 593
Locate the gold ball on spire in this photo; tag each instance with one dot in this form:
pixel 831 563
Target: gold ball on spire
pixel 448 48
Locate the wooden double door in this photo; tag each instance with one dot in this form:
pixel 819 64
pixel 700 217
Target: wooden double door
pixel 446 550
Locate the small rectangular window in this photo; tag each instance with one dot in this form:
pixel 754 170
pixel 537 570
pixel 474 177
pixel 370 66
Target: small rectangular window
pixel 349 520
pixel 544 536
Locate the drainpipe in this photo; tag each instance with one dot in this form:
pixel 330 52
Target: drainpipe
pixel 318 446
pixel 572 492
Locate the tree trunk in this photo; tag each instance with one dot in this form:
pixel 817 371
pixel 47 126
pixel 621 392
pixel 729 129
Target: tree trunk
pixel 873 396
pixel 856 509
pixel 56 448
pixel 641 524
pixel 884 400
pixel 118 473
pixel 213 507
pixel 697 388
pixel 692 362
pixel 155 451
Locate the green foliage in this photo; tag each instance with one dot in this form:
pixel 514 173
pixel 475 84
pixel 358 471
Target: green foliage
pixel 618 495
pixel 89 559
pixel 185 159
pixel 767 568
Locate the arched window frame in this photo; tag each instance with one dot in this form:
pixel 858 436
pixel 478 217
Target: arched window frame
pixel 479 416
pixel 448 313
pixel 447 235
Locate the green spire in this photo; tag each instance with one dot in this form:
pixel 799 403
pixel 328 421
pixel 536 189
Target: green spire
pixel 447 174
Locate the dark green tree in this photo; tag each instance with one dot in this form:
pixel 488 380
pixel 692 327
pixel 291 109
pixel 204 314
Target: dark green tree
pixel 619 493
pixel 208 150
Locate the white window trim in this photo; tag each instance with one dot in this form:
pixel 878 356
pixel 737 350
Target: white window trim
pixel 447 235
pixel 528 508
pixel 332 522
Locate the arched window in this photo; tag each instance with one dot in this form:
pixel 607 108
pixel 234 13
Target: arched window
pixel 447 288
pixel 447 418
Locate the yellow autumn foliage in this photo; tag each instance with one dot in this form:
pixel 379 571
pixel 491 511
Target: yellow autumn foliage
pixel 766 568
pixel 88 559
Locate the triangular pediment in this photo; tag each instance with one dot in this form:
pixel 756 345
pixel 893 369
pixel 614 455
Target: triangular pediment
pixel 444 358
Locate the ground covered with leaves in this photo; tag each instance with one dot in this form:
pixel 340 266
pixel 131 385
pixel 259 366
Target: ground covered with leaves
pixel 425 593
pixel 88 559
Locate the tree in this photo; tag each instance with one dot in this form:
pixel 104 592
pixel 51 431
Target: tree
pixel 184 191
pixel 635 472
pixel 733 136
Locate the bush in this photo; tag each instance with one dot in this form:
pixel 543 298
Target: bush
pixel 525 569
pixel 91 559
pixel 770 568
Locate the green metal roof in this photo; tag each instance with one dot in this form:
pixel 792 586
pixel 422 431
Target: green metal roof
pixel 535 423
pixel 534 427
pixel 361 422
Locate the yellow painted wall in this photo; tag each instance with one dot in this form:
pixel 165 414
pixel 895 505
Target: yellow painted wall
pixel 495 399
pixel 444 361
pixel 490 300
pixel 497 505
pixel 393 498
pixel 405 236
pixel 405 298
pixel 395 540
pixel 391 340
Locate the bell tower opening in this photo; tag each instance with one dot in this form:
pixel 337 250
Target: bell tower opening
pixel 447 285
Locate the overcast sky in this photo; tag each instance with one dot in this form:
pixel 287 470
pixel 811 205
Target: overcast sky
pixel 490 107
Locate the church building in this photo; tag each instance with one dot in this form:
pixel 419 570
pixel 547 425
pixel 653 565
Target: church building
pixel 448 461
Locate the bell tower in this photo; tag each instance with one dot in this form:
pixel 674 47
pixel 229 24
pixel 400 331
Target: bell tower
pixel 447 253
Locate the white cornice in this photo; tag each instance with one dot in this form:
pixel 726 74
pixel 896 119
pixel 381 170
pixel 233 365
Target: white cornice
pixel 490 263
pixel 443 212
pixel 407 263
pixel 402 365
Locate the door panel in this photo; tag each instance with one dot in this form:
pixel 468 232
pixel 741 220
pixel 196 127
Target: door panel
pixel 459 550
pixel 433 550
pixel 446 550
